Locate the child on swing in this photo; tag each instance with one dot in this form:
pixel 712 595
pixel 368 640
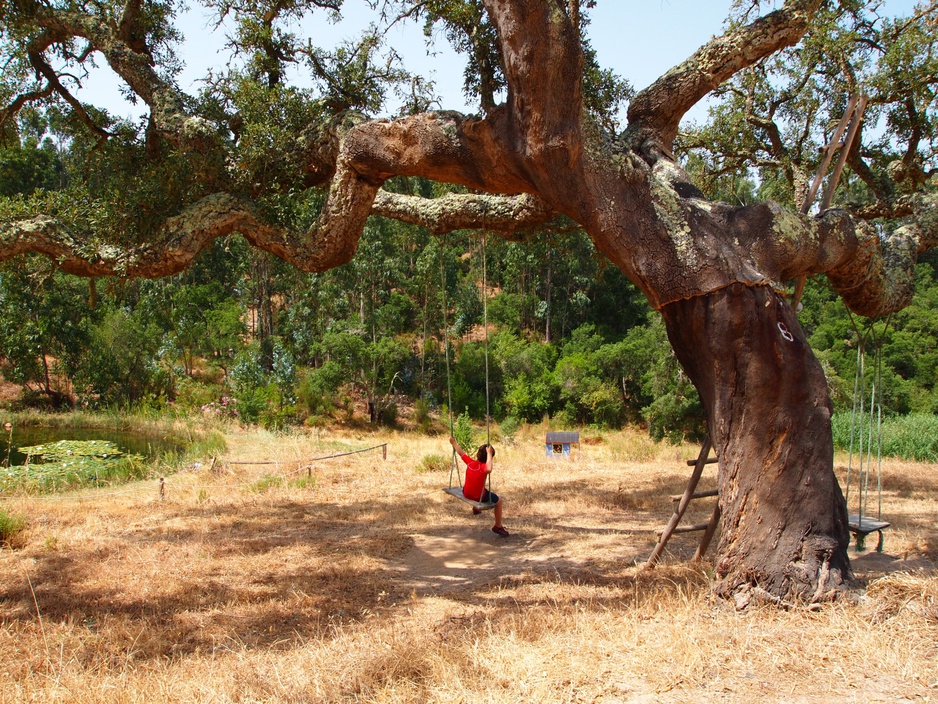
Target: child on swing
pixel 474 489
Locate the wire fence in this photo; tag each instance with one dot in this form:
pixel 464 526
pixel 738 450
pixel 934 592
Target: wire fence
pixel 160 485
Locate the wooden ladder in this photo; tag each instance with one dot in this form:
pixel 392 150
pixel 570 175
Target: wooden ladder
pixel 683 501
pixel 844 136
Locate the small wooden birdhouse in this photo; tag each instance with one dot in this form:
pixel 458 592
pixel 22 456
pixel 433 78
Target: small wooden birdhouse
pixel 562 444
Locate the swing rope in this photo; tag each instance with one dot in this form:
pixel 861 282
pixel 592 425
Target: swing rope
pixel 485 326
pixel 485 323
pixel 454 466
pixel 859 417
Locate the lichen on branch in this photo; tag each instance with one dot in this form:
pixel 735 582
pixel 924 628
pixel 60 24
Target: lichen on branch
pixel 505 214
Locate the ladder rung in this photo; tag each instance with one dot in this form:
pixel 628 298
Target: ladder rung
pixel 712 460
pixel 688 529
pixel 697 494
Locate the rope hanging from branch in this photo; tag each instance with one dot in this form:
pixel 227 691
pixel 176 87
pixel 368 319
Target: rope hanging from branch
pixel 866 420
pixel 456 490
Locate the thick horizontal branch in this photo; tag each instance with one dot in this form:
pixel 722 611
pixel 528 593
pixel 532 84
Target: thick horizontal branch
pixel 873 273
pixel 331 242
pixel 174 247
pixel 660 107
pixel 900 207
pixel 504 214
pixel 443 146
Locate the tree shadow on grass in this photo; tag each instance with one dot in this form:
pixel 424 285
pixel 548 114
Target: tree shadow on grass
pixel 261 576
pixel 601 588
pixel 272 573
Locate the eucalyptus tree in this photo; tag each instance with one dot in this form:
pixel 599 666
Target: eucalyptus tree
pixel 297 172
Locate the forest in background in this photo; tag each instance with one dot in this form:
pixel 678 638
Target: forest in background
pixel 242 334
pixel 245 335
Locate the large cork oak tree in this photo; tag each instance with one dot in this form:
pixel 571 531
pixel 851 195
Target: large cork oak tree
pixel 713 271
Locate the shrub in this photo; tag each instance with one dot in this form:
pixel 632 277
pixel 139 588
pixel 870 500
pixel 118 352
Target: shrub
pixel 209 445
pixel 278 419
pixel 387 415
pixel 251 386
pixel 319 388
pixel 266 482
pixel 465 436
pixel 193 394
pixel 303 483
pixel 11 525
pixel 433 463
pixel 509 428
pixel 422 415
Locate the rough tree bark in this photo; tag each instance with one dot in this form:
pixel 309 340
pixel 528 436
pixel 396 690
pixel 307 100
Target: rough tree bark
pixel 709 268
pixel 784 517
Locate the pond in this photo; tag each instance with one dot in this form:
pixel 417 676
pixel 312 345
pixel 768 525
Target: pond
pixel 131 443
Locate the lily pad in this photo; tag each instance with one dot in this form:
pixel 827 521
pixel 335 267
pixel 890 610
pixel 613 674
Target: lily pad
pixel 67 464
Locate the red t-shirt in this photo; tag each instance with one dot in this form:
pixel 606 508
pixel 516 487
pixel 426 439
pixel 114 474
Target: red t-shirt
pixel 475 478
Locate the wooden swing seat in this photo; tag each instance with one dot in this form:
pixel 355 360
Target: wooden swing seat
pixel 862 526
pixel 457 492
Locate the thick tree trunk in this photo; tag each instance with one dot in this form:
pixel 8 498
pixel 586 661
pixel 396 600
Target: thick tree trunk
pixel 784 515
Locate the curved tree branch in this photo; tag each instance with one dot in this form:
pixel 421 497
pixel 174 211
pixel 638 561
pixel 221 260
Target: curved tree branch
pixel 22 99
pixel 329 243
pixel 127 55
pixel 660 107
pixel 43 68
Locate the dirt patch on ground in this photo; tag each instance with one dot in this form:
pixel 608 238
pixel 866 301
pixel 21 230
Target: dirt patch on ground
pixel 467 555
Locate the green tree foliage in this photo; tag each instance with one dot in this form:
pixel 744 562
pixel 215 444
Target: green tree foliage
pixel 42 335
pixel 770 124
pixel 569 338
pixel 250 384
pixel 121 365
pixel 26 169
pixel 465 434
pixel 908 344
pixel 319 390
pixel 371 366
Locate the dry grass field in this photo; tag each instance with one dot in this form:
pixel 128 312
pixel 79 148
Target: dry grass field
pixel 359 580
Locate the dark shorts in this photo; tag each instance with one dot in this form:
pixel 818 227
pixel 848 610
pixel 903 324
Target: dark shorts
pixel 489 497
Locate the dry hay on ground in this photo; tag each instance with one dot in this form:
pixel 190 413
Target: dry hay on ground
pixel 358 579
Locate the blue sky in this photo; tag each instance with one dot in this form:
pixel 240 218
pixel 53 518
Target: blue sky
pixel 639 40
